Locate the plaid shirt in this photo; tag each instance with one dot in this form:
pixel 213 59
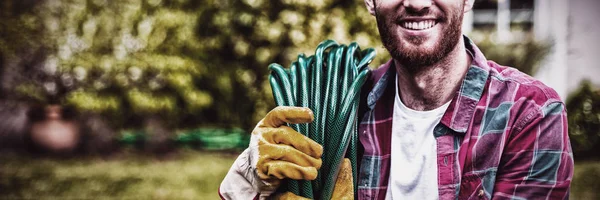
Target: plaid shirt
pixel 504 136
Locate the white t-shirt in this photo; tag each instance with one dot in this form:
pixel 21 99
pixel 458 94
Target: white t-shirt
pixel 413 173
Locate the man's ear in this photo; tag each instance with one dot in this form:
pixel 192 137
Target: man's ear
pixel 370 6
pixel 468 5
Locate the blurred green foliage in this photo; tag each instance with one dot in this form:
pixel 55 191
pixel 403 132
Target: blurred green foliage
pixel 525 54
pixel 191 62
pixel 583 107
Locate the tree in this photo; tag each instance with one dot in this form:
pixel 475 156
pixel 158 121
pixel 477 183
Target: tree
pixel 191 63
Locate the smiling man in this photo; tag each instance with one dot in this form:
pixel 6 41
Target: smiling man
pixel 439 121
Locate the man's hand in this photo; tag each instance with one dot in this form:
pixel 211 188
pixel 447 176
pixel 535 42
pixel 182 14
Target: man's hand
pixel 275 152
pixel 283 152
pixel 343 188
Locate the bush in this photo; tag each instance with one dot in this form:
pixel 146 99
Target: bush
pixel 196 63
pixel 583 111
pixel 525 56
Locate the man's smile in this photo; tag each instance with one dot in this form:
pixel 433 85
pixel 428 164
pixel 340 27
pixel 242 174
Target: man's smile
pixel 418 24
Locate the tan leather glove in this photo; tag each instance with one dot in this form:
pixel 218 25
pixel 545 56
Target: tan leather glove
pixel 343 188
pixel 275 152
pixel 283 152
pixel 288 196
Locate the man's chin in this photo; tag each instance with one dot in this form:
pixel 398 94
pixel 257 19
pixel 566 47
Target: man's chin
pixel 416 55
pixel 422 48
pixel 419 42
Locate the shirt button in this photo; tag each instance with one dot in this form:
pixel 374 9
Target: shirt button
pixel 481 193
pixel 445 160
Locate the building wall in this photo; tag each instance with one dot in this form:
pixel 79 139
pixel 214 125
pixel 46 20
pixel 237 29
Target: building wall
pixel 551 22
pixel 583 42
pixel 574 28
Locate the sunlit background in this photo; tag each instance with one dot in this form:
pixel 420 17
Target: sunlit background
pixel 154 99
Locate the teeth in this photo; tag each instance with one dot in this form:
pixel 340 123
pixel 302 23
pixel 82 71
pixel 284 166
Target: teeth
pixel 421 25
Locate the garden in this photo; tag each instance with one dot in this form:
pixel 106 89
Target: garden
pixel 154 99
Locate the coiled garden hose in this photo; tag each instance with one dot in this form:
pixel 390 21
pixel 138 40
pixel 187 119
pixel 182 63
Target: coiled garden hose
pixel 328 83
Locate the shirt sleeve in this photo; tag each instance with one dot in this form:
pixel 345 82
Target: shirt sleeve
pixel 537 161
pixel 242 182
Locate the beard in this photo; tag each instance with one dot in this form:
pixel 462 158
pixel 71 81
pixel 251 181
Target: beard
pixel 418 57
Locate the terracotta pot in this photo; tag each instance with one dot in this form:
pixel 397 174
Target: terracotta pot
pixel 54 133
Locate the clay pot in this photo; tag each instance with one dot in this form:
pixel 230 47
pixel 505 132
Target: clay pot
pixel 53 133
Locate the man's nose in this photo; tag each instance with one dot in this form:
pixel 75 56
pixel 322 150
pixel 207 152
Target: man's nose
pixel 417 4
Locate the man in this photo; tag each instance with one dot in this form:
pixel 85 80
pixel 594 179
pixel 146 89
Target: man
pixel 439 122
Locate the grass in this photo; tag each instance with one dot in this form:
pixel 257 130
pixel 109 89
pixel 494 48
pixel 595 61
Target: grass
pixel 188 175
pixel 185 175
pixel 586 181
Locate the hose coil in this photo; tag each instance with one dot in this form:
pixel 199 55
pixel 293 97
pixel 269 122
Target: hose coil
pixel 328 83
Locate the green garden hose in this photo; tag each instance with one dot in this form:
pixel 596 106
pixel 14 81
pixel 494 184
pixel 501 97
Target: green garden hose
pixel 329 84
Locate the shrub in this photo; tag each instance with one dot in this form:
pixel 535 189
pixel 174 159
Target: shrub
pixel 193 63
pixel 525 55
pixel 583 111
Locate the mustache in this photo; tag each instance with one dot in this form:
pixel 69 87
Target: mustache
pixel 423 13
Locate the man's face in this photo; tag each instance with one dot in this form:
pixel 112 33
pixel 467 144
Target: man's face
pixel 419 32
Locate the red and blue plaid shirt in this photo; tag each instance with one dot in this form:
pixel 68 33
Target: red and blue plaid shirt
pixel 504 136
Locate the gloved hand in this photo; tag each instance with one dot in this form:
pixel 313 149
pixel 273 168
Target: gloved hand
pixel 275 152
pixel 343 188
pixel 283 152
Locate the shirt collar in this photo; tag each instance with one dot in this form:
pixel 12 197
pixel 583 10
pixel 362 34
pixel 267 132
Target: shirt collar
pixel 462 107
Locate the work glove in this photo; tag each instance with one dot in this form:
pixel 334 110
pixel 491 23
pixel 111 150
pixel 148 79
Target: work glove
pixel 343 188
pixel 283 152
pixel 276 152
